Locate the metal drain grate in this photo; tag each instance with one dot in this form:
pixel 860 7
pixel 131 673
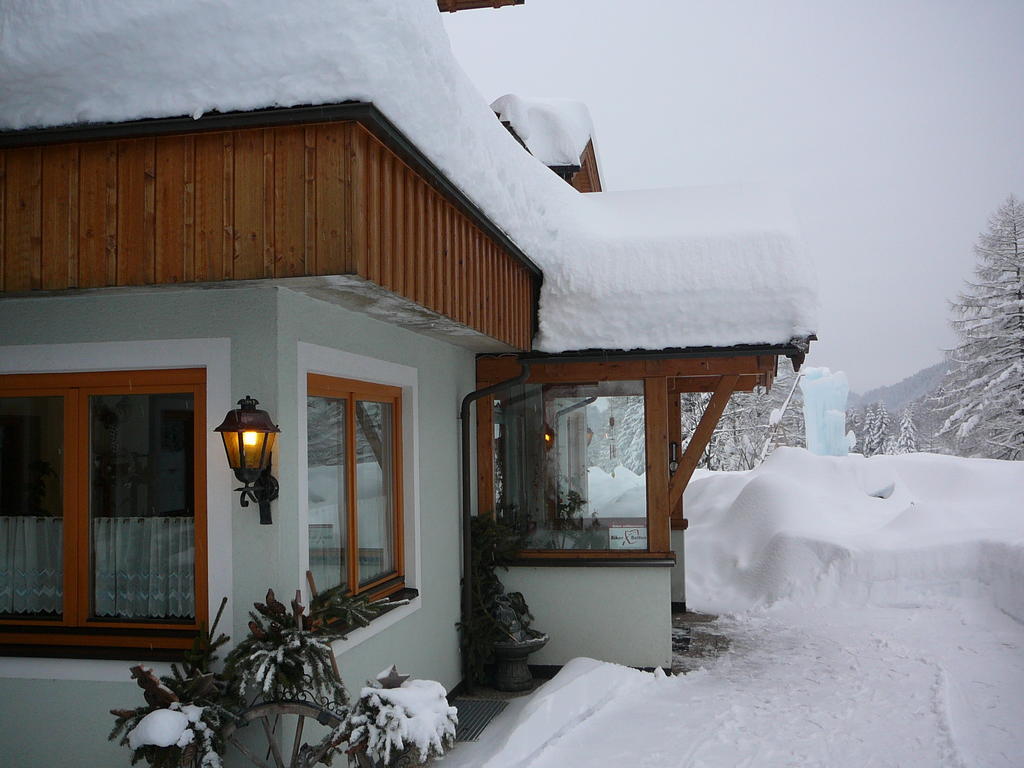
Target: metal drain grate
pixel 475 715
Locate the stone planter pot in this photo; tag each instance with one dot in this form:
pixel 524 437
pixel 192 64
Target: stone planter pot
pixel 511 670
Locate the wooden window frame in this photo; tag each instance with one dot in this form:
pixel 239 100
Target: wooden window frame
pixel 322 385
pixel 658 546
pixel 664 379
pixel 76 627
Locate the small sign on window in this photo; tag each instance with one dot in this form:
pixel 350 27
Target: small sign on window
pixel 627 537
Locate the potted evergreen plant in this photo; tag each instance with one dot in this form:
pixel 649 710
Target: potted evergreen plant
pixel 498 628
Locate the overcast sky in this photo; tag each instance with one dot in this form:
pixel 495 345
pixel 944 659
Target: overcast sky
pixel 896 127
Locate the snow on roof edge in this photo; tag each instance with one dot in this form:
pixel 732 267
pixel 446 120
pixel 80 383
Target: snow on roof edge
pixel 66 62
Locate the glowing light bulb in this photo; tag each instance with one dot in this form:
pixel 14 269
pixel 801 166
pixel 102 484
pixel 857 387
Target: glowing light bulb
pixel 250 438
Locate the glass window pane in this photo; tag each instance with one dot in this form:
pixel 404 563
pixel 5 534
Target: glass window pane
pixel 570 464
pixel 31 506
pixel 374 489
pixel 141 505
pixel 328 490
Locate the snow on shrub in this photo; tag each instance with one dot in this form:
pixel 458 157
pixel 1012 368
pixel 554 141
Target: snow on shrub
pixel 390 720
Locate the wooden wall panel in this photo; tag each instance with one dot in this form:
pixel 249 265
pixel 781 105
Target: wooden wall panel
pixel 211 228
pixel 97 214
pixel 288 201
pixel 247 259
pixel 357 142
pixel 289 205
pixel 22 233
pixel 59 217
pixel 331 198
pixel 136 235
pixel 175 210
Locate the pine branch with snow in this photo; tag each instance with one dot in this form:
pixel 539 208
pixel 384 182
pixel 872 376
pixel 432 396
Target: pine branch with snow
pixel 983 394
pixel 182 720
pixel 284 658
pixel 416 716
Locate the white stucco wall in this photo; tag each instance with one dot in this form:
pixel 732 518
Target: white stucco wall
pixel 679 569
pixel 261 330
pixel 618 614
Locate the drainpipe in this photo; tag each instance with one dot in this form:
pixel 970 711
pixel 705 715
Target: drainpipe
pixel 467 506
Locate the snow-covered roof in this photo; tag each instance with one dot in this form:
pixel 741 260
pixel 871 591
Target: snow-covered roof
pixel 646 270
pixel 704 266
pixel 556 131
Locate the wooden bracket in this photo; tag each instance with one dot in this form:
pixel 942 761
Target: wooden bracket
pixel 700 439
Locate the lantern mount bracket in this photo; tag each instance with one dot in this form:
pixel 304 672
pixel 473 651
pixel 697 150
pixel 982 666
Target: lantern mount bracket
pixel 261 492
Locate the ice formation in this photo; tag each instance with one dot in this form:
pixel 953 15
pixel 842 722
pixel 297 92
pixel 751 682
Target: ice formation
pixel 825 396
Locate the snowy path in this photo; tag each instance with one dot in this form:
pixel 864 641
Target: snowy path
pixel 938 684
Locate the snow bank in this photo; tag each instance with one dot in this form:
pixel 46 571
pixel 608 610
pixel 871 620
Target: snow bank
pixel 622 270
pixel 818 530
pixel 579 690
pixel 619 494
pixel 556 131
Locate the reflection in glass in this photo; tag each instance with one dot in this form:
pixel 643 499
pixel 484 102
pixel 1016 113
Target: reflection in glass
pixel 31 506
pixel 374 491
pixel 328 490
pixel 141 506
pixel 570 465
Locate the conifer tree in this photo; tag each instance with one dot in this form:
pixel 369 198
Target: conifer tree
pixel 983 394
pixel 906 442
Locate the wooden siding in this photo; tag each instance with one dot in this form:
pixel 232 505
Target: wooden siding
pixel 286 201
pixel 465 5
pixel 588 177
pixel 663 380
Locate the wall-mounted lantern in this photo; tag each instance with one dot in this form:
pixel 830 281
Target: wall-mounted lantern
pixel 249 435
pixel 549 436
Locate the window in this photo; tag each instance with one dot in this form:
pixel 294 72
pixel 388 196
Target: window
pixel 102 508
pixel 570 465
pixel 355 492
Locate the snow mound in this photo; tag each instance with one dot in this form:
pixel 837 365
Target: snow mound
pixel 579 690
pixel 646 270
pixel 556 131
pixel 815 530
pixel 164 728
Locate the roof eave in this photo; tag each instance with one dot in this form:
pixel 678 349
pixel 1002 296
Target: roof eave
pixel 358 111
pixel 795 349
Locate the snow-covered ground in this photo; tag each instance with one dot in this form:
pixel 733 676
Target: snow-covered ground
pixel 875 609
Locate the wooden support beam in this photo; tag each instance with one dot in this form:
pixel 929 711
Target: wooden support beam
pixel 656 415
pixel 494 369
pixel 675 435
pixel 701 437
pixel 746 383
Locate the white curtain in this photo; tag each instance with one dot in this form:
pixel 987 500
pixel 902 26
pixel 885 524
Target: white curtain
pixel 144 566
pixel 31 565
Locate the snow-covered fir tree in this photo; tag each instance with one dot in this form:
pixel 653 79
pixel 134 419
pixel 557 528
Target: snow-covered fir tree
pixel 877 431
pixel 746 423
pixel 983 394
pixel 630 438
pixel 906 441
pixel 618 435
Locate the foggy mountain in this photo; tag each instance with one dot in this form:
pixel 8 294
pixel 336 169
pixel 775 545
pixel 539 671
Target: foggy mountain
pixel 897 396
